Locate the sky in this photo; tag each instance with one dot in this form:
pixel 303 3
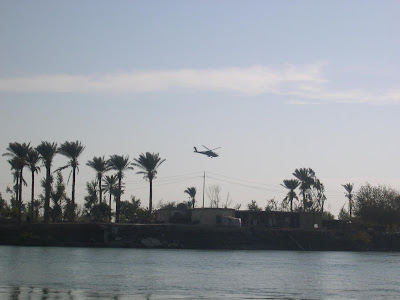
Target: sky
pixel 278 85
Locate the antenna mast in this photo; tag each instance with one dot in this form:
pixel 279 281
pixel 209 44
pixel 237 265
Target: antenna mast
pixel 204 184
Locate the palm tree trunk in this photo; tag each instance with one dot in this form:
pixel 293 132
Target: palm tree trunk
pixel 32 195
pixel 47 196
pixel 72 218
pixel 304 201
pixel 291 203
pixel 19 202
pixel 110 207
pixel 16 189
pixel 150 198
pixel 350 206
pixel 118 200
pixel 100 191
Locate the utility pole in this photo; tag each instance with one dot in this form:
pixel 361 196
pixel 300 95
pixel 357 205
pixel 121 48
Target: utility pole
pixel 204 184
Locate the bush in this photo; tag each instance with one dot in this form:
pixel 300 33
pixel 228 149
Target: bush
pixel 378 205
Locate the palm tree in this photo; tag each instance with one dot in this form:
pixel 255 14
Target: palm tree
pixel 14 163
pixel 349 189
pixel 110 186
pixel 18 152
pixel 291 185
pixel 149 163
pixel 71 150
pixel 120 164
pixel 33 160
pixel 47 152
pixel 306 179
pixel 191 191
pixel 99 164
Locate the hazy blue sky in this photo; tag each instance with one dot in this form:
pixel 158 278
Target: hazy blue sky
pixel 279 85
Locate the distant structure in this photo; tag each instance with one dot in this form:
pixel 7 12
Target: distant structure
pixel 241 218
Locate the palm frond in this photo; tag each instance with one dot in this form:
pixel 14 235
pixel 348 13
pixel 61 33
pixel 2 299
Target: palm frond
pixel 47 151
pixel 149 164
pixel 71 150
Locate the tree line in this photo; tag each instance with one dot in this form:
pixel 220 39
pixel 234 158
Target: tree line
pixel 373 204
pixel 370 204
pixel 23 156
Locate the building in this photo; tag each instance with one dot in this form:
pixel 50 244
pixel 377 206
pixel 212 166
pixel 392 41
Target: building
pixel 280 219
pixel 245 218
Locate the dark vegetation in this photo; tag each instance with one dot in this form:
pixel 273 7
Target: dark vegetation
pixel 55 205
pixel 375 208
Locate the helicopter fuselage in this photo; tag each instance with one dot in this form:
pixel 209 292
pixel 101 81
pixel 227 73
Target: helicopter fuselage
pixel 209 153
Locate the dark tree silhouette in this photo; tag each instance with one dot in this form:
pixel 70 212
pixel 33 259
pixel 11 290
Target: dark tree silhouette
pixel 349 195
pixel 14 163
pixel 305 176
pixel 18 153
pixel 291 185
pixel 149 164
pixel 99 164
pixel 15 168
pixel 33 159
pixel 110 186
pixel 71 150
pixel 120 164
pixel 47 152
pixel 191 191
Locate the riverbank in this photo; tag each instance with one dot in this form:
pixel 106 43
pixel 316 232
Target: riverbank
pixel 195 237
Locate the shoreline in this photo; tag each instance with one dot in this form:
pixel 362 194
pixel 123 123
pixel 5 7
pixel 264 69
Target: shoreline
pixel 176 236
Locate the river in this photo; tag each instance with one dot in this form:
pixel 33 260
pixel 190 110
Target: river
pixel 101 273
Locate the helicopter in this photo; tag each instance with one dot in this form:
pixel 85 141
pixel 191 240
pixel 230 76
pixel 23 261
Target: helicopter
pixel 209 152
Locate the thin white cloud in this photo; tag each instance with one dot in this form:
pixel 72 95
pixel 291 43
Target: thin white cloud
pixel 253 80
pixel 305 83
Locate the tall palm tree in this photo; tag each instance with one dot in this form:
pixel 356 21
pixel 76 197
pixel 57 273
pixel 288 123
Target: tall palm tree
pixel 18 152
pixel 47 152
pixel 349 189
pixel 149 164
pixel 33 160
pixel 306 179
pixel 110 186
pixel 191 191
pixel 71 150
pixel 291 185
pixel 99 164
pixel 14 163
pixel 120 164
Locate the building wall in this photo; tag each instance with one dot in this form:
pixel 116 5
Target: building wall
pixel 280 219
pixel 173 216
pixel 225 216
pixel 211 216
pixel 309 220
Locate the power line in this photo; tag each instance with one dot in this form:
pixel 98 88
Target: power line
pixel 237 179
pixel 155 184
pixel 242 184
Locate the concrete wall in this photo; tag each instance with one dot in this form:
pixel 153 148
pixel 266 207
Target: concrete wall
pixel 280 219
pixel 231 222
pixel 211 216
pixel 309 220
pixel 173 216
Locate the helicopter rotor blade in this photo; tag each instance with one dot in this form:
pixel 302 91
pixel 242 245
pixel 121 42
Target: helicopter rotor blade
pixel 215 148
pixel 206 148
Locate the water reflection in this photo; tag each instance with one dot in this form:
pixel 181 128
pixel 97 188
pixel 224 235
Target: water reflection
pixel 86 273
pixel 32 293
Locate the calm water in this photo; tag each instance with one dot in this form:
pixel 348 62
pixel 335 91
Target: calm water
pixel 83 273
